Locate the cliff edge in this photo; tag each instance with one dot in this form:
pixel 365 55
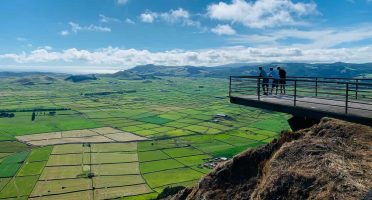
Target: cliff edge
pixel 331 160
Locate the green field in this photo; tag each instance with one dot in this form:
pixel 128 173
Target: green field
pixel 66 159
pixel 107 181
pixel 115 147
pixel 166 177
pixel 61 186
pixel 181 118
pixel 68 149
pixel 65 120
pixel 116 169
pixel 115 157
pixel 193 160
pixel 152 155
pixel 10 165
pixel 12 146
pixel 40 154
pixel 19 187
pixel 159 165
pixel 61 172
pixel 31 168
pixel 181 152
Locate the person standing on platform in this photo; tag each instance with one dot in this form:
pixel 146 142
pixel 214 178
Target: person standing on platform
pixel 274 74
pixel 282 81
pixel 265 80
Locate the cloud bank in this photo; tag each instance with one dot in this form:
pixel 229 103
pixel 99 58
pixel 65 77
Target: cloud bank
pixel 117 58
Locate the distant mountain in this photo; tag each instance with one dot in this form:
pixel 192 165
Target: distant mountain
pixel 23 74
pixel 158 70
pixel 293 69
pixel 154 71
pixel 35 80
pixel 149 72
pixel 129 75
pixel 80 78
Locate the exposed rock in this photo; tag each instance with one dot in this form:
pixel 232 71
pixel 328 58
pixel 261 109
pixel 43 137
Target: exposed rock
pixel 331 160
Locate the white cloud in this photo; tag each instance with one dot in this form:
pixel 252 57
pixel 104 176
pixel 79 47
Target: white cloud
pixel 321 38
pixel 179 15
pixel 175 15
pixel 75 28
pixel 64 33
pixel 121 2
pixel 117 58
pixel 48 48
pixel 21 39
pixel 148 17
pixel 262 13
pixel 105 19
pixel 129 21
pixel 223 30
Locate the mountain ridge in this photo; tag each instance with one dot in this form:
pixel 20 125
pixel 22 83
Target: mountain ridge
pixel 151 71
pixel 338 69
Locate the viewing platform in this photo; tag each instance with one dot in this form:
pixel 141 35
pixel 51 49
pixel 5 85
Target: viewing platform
pixel 309 97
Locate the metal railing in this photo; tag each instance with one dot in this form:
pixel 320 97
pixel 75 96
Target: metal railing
pixel 346 94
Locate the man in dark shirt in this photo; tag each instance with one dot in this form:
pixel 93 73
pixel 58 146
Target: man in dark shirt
pixel 282 82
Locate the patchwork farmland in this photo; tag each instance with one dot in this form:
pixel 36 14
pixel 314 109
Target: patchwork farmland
pixel 128 145
pixel 97 135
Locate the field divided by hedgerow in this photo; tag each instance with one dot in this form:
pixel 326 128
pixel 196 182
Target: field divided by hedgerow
pixel 189 122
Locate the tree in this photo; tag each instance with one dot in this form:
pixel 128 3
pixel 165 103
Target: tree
pixel 33 116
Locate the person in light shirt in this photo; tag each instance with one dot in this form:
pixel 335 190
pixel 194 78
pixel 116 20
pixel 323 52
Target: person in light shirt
pixel 265 80
pixel 274 74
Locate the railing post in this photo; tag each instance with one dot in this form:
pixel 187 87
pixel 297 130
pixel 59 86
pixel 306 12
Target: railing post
pixel 316 86
pixel 295 93
pixel 230 87
pixel 356 89
pixel 259 88
pixel 347 98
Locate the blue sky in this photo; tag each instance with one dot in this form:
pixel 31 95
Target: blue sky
pixel 110 35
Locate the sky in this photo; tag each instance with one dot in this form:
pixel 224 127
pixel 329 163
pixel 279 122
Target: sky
pixel 100 36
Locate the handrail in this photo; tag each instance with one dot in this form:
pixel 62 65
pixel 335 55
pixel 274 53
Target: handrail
pixel 305 80
pixel 322 77
pixel 355 94
pixel 313 77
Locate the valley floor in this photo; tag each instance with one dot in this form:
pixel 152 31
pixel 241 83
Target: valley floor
pixel 185 122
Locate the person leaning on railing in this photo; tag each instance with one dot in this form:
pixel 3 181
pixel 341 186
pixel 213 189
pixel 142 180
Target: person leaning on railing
pixel 265 81
pixel 282 82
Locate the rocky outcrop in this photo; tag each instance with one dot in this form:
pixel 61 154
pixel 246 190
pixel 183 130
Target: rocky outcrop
pixel 331 160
